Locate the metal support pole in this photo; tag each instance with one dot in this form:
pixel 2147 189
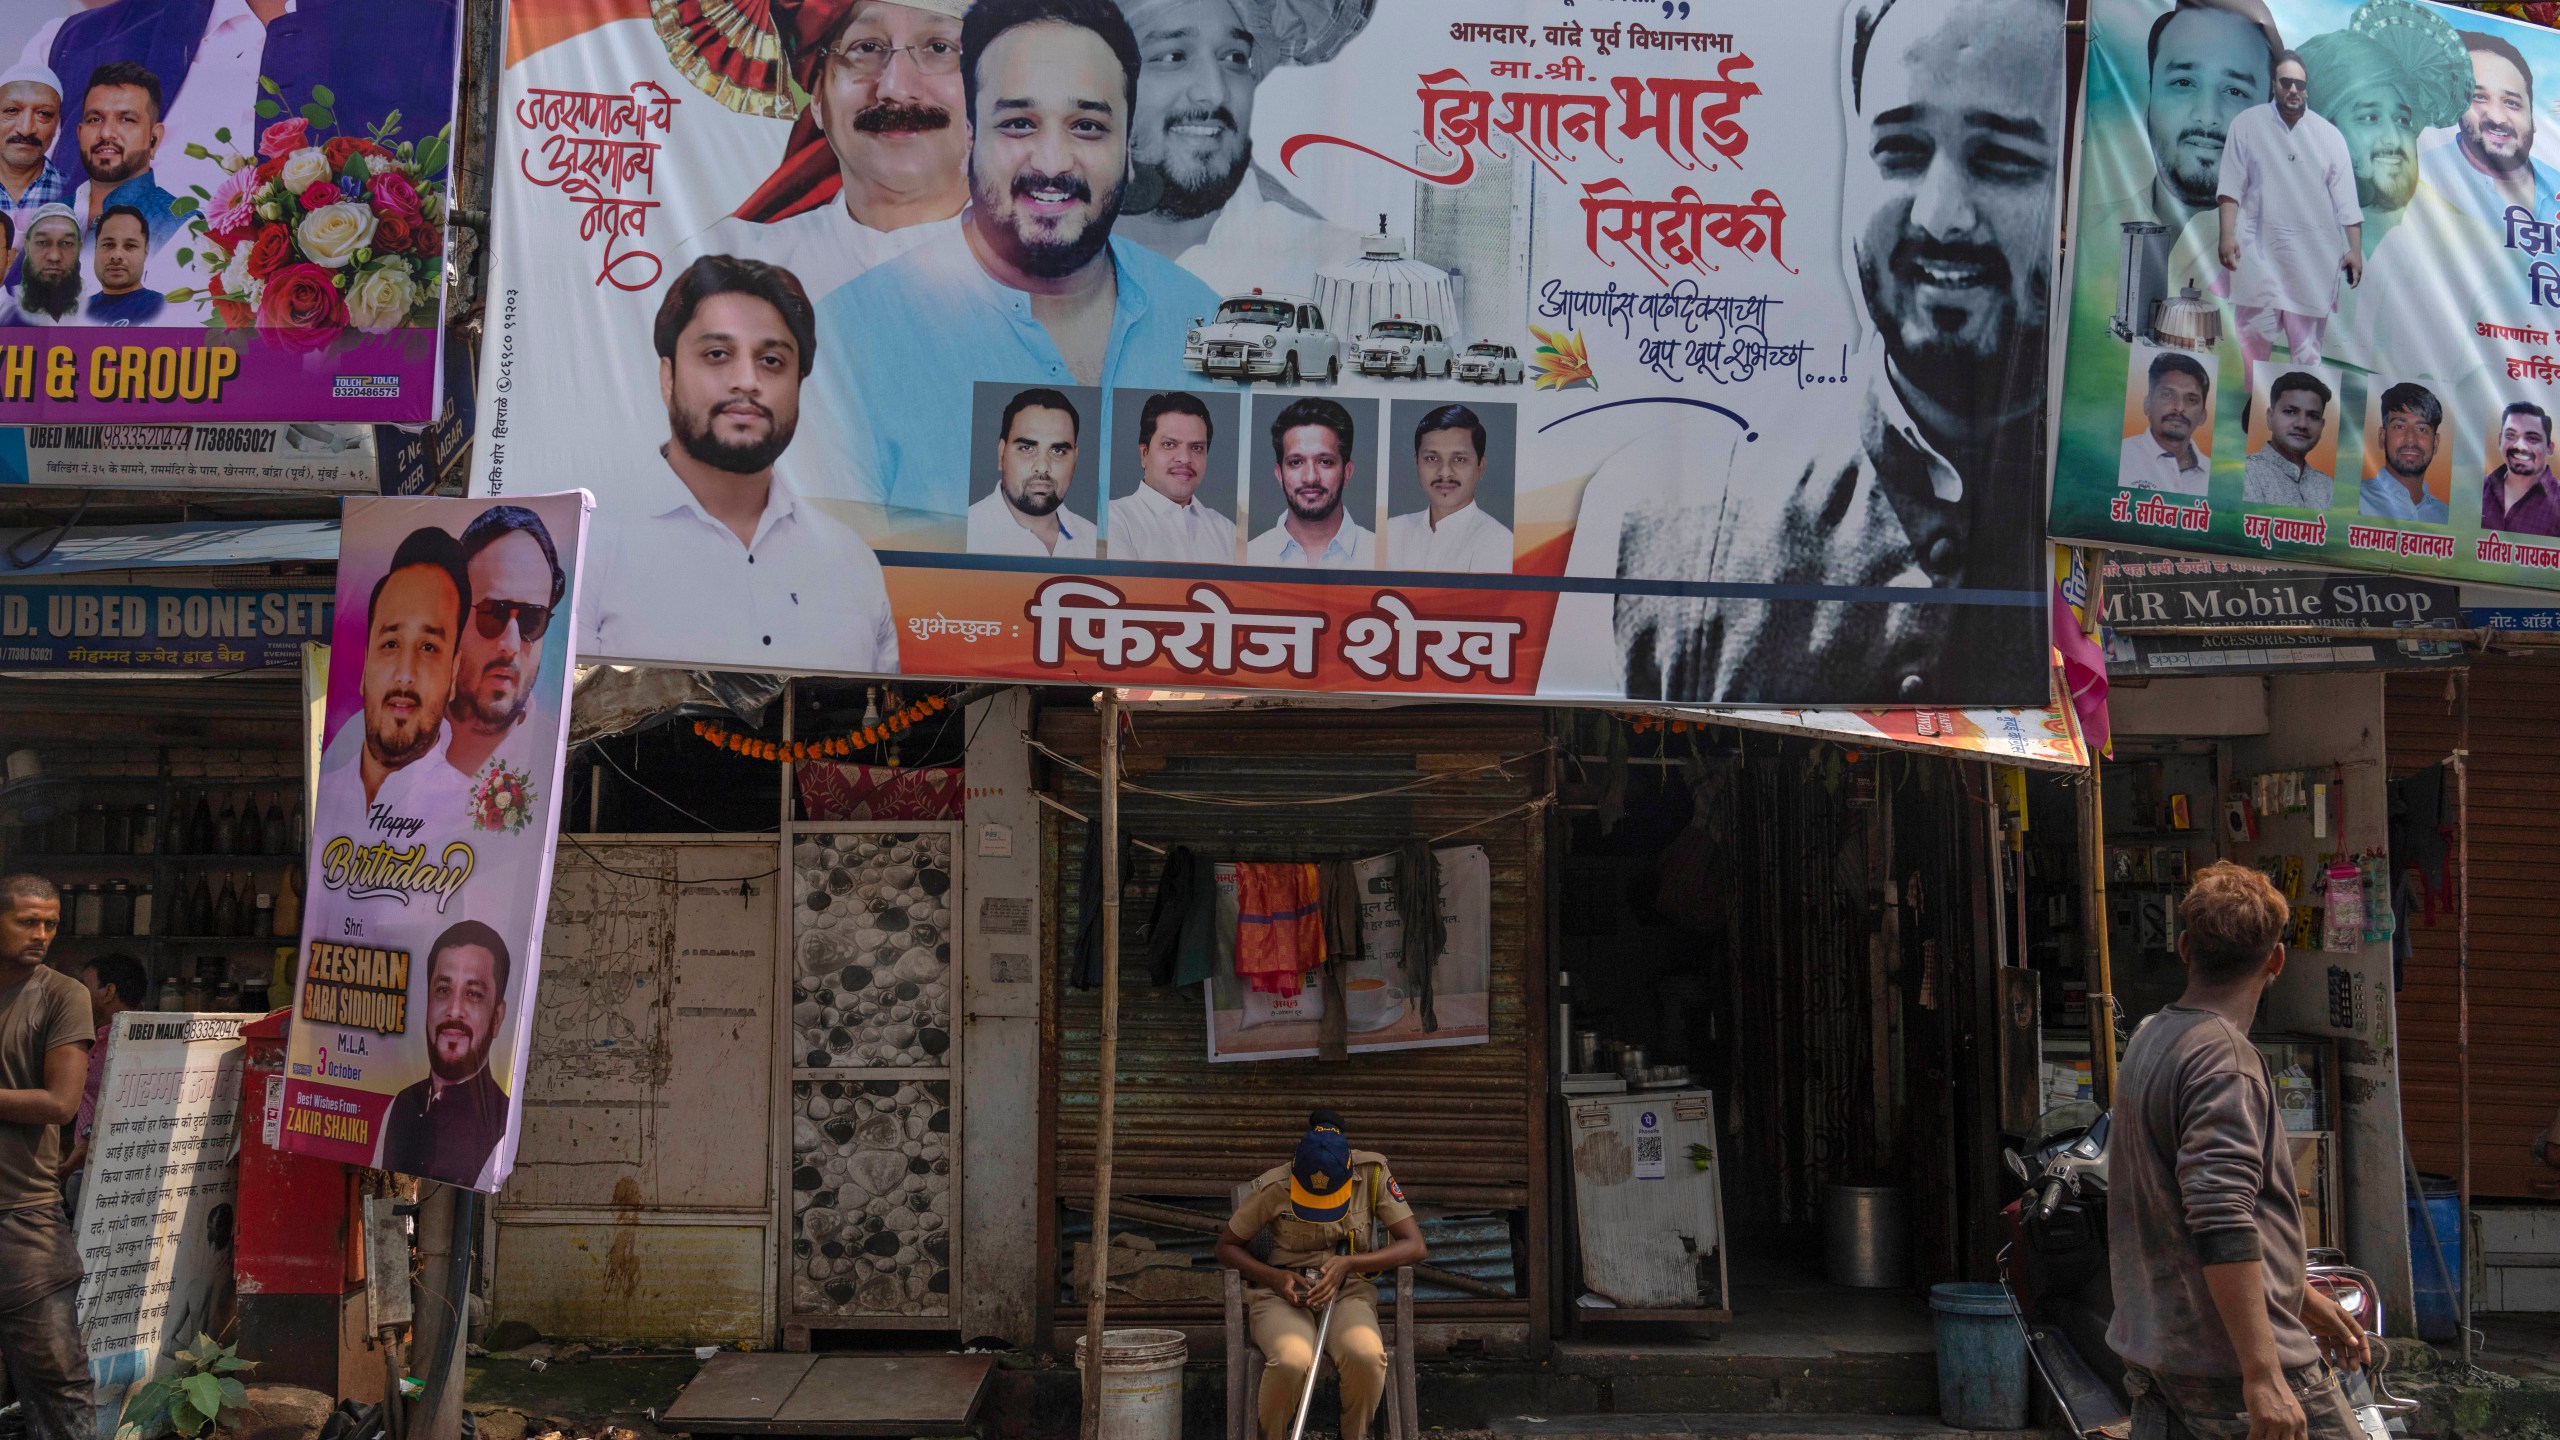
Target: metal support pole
pixel 1107 1065
pixel 2102 985
pixel 2462 995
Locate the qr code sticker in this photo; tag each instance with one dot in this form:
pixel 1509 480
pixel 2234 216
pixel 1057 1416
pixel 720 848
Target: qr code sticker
pixel 1649 1148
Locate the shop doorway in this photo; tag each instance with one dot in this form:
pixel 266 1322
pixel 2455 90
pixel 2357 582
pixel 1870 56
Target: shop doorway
pixel 1806 930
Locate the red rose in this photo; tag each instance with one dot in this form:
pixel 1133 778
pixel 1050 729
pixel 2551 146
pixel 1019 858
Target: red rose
pixel 283 138
pixel 302 310
pixel 430 239
pixel 235 315
pixel 271 251
pixel 231 238
pixel 270 169
pixel 340 149
pixel 392 235
pixel 394 195
pixel 321 194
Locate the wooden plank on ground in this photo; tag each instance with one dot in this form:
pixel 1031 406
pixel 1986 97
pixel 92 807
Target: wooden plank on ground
pixel 734 1388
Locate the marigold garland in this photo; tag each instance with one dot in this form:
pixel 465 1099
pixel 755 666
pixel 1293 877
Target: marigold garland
pixel 832 748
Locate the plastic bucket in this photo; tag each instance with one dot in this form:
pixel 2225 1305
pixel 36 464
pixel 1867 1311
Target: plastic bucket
pixel 2439 1289
pixel 1982 1357
pixel 1867 1236
pixel 1141 1382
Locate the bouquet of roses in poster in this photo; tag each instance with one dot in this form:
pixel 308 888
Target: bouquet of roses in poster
pixel 316 236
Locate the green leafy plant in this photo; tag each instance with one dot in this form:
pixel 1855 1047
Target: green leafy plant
pixel 190 1401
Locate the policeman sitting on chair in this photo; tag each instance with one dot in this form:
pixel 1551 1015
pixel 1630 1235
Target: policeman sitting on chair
pixel 1322 1208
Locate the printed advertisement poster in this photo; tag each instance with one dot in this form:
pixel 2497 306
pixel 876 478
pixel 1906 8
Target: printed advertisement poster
pixel 439 805
pixel 2317 288
pixel 157 1202
pixel 210 212
pixel 329 459
pixel 1384 1006
pixel 1293 344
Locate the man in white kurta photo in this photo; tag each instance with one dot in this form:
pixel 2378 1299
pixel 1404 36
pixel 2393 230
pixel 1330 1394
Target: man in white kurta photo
pixel 1452 531
pixel 1165 518
pixel 2290 221
pixel 1026 513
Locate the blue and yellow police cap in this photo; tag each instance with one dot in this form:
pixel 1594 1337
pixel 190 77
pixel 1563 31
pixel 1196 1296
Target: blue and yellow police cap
pixel 1320 1176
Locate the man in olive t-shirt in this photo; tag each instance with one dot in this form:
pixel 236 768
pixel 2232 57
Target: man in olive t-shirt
pixel 2213 1319
pixel 44 1059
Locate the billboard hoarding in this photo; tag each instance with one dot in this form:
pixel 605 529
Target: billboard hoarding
pixel 2358 374
pixel 218 218
pixel 1353 349
pixel 438 807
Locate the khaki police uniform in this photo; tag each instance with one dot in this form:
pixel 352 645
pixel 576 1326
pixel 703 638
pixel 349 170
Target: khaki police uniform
pixel 1285 1334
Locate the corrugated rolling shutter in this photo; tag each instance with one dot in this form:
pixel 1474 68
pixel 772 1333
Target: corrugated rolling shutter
pixel 1464 1126
pixel 2515 912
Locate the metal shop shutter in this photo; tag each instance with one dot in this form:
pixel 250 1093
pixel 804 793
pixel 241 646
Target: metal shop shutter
pixel 1464 1126
pixel 2515 912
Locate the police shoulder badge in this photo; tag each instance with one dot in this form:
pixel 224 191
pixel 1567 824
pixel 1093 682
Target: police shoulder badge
pixel 1395 1190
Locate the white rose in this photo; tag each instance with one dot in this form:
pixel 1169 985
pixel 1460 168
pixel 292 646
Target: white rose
pixel 332 234
pixel 381 298
pixel 303 169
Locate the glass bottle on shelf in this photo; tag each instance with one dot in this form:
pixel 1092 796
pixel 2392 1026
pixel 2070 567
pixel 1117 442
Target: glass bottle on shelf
pixel 294 826
pixel 200 825
pixel 278 841
pixel 262 917
pixel 253 839
pixel 91 837
pixel 226 910
pixel 119 831
pixel 90 910
pixel 288 917
pixel 146 828
pixel 199 917
pixel 117 911
pixel 226 829
pixel 142 908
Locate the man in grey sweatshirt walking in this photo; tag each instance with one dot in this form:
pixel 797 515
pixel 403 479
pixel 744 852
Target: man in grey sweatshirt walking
pixel 2220 1334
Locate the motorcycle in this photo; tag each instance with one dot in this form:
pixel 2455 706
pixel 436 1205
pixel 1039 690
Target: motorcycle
pixel 2055 1267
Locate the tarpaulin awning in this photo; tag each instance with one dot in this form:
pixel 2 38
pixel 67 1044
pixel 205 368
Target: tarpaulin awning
pixel 192 543
pixel 2045 738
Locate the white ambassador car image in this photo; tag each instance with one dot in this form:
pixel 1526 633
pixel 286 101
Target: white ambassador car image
pixel 1265 337
pixel 1404 347
pixel 1489 364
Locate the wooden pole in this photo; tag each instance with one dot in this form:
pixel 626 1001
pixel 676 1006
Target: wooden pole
pixel 2462 996
pixel 1106 1067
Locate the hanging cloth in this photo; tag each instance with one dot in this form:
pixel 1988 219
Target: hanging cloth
pixel 1196 948
pixel 1279 927
pixel 1425 933
pixel 2421 831
pixel 1087 974
pixel 1178 890
pixel 1339 889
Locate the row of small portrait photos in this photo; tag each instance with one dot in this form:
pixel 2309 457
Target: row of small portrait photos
pixel 2422 462
pixel 1197 477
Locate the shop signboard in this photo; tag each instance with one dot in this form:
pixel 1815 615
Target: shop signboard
pixel 157 1200
pixel 207 229
pixel 430 859
pixel 2237 598
pixel 2359 375
pixel 1304 345
pixel 337 459
pixel 69 627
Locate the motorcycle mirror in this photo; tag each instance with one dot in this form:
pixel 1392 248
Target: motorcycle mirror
pixel 2016 1166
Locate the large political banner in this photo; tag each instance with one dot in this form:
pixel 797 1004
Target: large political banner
pixel 2315 307
pixel 1529 348
pixel 224 212
pixel 438 807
